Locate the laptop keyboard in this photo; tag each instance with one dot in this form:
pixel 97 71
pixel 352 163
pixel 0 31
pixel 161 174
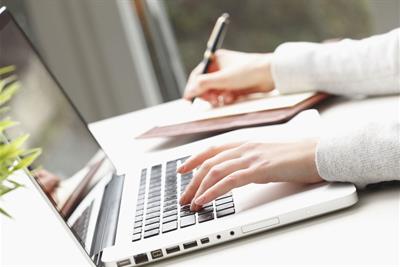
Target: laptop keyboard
pixel 158 210
pixel 80 226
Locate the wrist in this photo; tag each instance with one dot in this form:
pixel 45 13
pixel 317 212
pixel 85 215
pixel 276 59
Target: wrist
pixel 265 73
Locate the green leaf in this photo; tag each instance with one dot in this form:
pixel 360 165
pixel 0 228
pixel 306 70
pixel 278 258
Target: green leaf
pixel 2 211
pixel 12 150
pixel 16 184
pixel 6 124
pixel 7 80
pixel 5 189
pixel 29 159
pixel 7 69
pixel 9 91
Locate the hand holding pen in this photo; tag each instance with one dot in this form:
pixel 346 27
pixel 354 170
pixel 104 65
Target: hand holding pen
pixel 224 76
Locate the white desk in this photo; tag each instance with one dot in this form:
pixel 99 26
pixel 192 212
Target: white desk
pixel 367 234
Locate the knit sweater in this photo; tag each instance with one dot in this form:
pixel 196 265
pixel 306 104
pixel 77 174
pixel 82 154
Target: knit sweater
pixel 371 66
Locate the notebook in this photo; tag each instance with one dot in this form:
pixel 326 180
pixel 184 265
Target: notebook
pixel 259 109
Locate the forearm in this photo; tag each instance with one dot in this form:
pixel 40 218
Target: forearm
pixel 348 67
pixel 367 154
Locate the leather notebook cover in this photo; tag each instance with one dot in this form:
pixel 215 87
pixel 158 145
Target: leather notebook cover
pixel 222 124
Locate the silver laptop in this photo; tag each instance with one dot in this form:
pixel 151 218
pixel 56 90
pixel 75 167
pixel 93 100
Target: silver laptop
pixel 134 218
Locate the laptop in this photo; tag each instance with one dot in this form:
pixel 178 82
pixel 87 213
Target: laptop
pixel 132 217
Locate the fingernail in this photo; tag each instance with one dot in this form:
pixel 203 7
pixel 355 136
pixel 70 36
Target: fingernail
pixel 181 168
pixel 183 197
pixel 199 201
pixel 193 206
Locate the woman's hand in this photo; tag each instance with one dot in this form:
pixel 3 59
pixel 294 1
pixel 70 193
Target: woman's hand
pixel 233 165
pixel 231 75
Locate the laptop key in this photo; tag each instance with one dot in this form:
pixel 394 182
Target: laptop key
pixel 137 230
pixel 224 206
pixel 153 205
pixel 223 201
pixel 156 194
pixel 170 202
pixel 138 218
pixel 206 217
pixel 170 226
pixel 139 212
pixel 151 233
pixel 188 220
pixel 136 237
pixel 139 207
pixel 152 220
pixel 155 209
pixel 153 215
pixel 151 227
pixel 225 212
pixel 210 204
pixel 169 208
pixel 187 213
pixel 185 207
pixel 137 224
pixel 170 218
pixel 224 196
pixel 206 210
pixel 170 213
pixel 171 197
pixel 170 192
pixel 153 199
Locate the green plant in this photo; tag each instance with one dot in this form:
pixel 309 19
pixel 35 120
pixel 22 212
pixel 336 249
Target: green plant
pixel 13 157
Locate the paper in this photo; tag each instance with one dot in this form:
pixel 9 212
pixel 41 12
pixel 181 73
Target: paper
pixel 201 109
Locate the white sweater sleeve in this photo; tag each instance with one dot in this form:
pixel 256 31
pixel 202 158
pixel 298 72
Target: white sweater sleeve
pixel 371 66
pixel 348 67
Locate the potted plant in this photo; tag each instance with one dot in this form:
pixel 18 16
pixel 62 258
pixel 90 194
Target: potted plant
pixel 13 157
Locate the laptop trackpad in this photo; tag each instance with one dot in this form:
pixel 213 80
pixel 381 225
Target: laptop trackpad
pixel 256 195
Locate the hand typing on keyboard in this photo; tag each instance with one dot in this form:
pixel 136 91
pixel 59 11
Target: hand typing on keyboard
pixel 232 165
pixel 157 209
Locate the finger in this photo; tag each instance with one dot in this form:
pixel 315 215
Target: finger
pixel 194 184
pixel 204 82
pixel 211 96
pixel 228 98
pixel 198 159
pixel 217 173
pixel 234 180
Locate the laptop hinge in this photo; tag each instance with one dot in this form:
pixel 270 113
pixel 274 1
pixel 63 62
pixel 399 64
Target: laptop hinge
pixel 106 226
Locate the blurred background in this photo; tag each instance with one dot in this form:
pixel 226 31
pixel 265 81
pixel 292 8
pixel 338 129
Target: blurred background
pixel 117 56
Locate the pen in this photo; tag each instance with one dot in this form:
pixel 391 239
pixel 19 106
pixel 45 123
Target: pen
pixel 214 42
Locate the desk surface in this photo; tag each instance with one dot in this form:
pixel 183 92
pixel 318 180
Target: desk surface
pixel 367 234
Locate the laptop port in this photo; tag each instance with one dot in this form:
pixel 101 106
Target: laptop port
pixel 123 263
pixel 172 249
pixel 205 240
pixel 140 258
pixel 190 244
pixel 155 254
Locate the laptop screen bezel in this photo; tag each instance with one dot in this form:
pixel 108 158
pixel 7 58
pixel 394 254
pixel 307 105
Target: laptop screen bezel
pixel 5 18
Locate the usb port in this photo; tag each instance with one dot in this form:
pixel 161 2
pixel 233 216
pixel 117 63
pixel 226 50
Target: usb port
pixel 155 254
pixel 205 240
pixel 172 249
pixel 190 245
pixel 140 258
pixel 123 263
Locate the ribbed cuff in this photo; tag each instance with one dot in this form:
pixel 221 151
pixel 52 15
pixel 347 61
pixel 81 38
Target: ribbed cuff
pixel 289 67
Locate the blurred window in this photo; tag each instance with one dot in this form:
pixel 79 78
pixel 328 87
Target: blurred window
pixel 261 25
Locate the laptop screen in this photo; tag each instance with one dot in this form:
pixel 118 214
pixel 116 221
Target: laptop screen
pixel 72 162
